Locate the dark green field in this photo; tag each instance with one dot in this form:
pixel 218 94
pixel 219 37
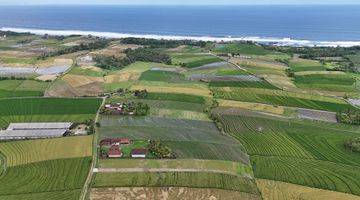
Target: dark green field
pixel 164 76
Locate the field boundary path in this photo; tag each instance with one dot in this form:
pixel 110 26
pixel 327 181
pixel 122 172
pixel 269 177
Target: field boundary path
pixel 134 170
pixel 94 156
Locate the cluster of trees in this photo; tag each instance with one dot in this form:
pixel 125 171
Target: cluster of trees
pixel 98 44
pixel 141 54
pixel 142 94
pixel 141 109
pixel 111 62
pixel 147 55
pixel 353 145
pixel 131 108
pixel 160 150
pixel 154 43
pixel 349 116
pixel 3 78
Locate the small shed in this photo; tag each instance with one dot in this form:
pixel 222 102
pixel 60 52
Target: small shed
pixel 139 153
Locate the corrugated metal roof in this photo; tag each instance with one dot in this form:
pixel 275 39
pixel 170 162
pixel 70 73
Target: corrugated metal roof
pixel 32 126
pixel 21 134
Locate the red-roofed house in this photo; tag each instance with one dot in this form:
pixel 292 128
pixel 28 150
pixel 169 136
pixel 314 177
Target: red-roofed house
pixel 114 152
pixel 139 153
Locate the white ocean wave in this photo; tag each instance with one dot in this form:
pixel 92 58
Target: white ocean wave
pixel 274 41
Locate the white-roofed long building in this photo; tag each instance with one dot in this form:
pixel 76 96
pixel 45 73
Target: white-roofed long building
pixel 39 126
pixel 19 131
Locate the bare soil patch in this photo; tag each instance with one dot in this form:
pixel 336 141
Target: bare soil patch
pixel 167 193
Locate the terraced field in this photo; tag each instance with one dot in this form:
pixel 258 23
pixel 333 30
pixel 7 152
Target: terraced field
pixel 313 173
pixel 45 176
pixel 47 110
pixel 278 146
pixel 281 98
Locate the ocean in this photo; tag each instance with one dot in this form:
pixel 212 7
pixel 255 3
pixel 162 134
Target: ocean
pixel 294 25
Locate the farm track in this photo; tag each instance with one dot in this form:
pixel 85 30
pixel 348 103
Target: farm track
pixel 130 170
pixel 86 187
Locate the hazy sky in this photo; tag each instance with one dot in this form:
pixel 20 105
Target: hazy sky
pixel 176 2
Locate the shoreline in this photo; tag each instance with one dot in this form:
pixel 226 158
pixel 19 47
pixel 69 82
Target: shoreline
pixel 269 41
